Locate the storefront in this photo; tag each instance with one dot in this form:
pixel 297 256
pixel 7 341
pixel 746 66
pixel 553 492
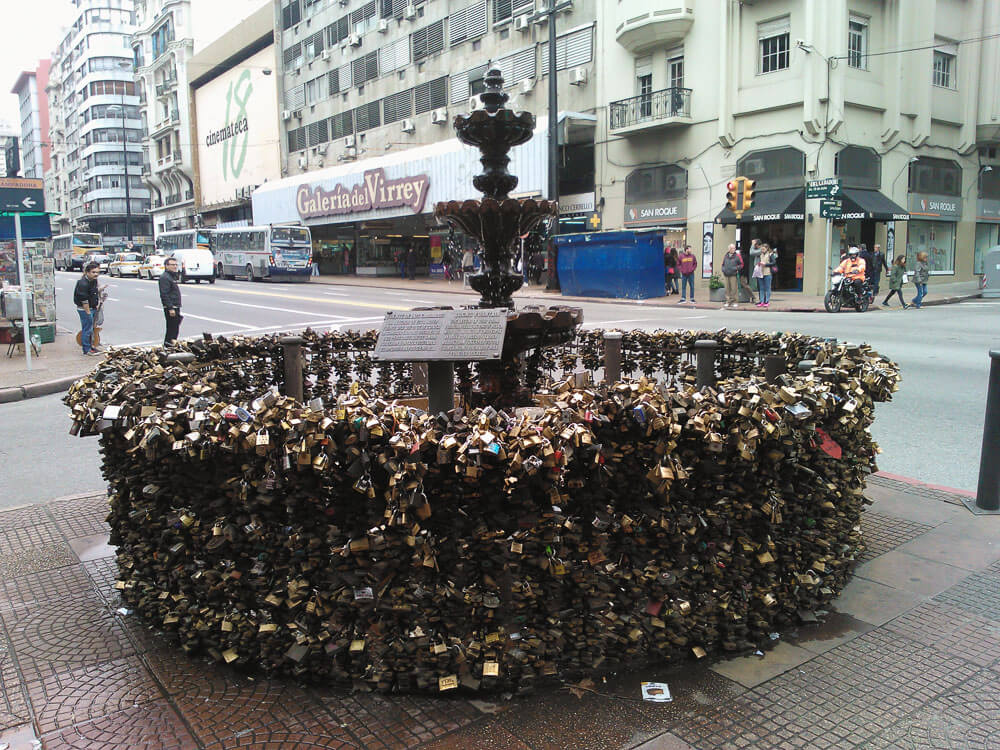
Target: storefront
pixel 987 216
pixel 366 215
pixel 656 198
pixel 576 213
pixel 935 202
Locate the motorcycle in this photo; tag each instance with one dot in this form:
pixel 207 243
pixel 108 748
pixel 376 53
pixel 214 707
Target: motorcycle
pixel 842 292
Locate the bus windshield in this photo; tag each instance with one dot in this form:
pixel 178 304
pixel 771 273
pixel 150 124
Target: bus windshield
pixel 287 235
pixel 86 240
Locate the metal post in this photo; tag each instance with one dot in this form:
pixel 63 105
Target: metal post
pixel 829 244
pixel 612 356
pixel 440 387
pixel 128 199
pixel 552 283
pixel 23 278
pixel 988 491
pixel 292 346
pixel 705 361
pixel 774 365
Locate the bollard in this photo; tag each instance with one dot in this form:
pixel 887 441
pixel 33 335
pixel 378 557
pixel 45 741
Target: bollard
pixel 774 365
pixel 988 491
pixel 612 356
pixel 440 387
pixel 292 346
pixel 705 361
pixel 180 358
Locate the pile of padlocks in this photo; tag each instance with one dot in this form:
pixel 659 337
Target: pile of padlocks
pixel 357 539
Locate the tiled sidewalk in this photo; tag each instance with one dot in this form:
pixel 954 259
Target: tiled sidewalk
pixel 908 658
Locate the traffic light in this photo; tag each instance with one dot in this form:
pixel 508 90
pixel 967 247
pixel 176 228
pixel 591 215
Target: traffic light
pixel 748 187
pixel 731 195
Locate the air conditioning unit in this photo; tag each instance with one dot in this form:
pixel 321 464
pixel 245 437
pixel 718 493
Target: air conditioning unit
pixel 319 162
pixel 439 116
pixel 350 153
pixel 326 55
pixel 522 23
pixel 408 126
pixel 475 103
pixel 411 12
pixel 383 25
pixel 297 114
pixel 349 141
pixel 355 40
pixel 526 85
pixel 578 76
pixel 286 114
pixel 321 148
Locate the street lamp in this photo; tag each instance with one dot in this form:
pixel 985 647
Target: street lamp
pixel 913 160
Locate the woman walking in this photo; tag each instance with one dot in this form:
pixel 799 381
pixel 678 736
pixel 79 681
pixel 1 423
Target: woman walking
pixel 920 276
pixel 896 281
pixel 670 270
pixel 763 275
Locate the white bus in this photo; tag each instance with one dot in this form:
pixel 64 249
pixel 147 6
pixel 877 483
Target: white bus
pixel 180 239
pixel 257 253
pixel 69 251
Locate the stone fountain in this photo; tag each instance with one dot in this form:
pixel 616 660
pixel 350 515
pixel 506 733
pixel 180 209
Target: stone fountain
pixel 497 221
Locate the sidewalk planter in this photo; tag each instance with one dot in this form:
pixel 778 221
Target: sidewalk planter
pixel 359 540
pixel 622 264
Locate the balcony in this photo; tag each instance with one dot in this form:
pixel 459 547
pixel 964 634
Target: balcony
pixel 657 109
pixel 646 24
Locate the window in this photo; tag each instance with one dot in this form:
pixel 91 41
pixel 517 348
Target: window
pixel 665 182
pixel 162 37
pixel 292 57
pixel 937 239
pixel 935 177
pixel 774 168
pixel 644 84
pixel 675 69
pixel 944 67
pixel 467 23
pixel 517 66
pixel 333 82
pixel 504 10
pixel 295 97
pixel 858 167
pixel 342 124
pixel 857 42
pixel 338 31
pixel 572 49
pixel 316 90
pixel 363 19
pixel 313 46
pixel 430 95
pixel 138 56
pixel 318 132
pixel 364 69
pixel 296 139
pixel 428 40
pixel 367 116
pixel 291 14
pixel 394 56
pixel 773 38
pixel 397 106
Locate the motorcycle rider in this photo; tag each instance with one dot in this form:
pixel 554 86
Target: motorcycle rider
pixel 853 269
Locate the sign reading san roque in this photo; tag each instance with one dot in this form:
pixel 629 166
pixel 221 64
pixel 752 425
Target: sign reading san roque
pixel 373 192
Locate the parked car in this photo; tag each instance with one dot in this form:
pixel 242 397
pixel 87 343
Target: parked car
pixel 195 264
pixel 151 267
pixel 101 259
pixel 125 264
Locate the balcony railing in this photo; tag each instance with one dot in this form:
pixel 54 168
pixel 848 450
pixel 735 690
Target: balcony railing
pixel 650 108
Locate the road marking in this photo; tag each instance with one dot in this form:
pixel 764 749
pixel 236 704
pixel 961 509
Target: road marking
pixel 395 294
pixel 277 309
pixel 419 301
pixel 336 294
pixel 114 299
pixel 202 317
pixel 693 317
pixel 617 322
pixel 351 303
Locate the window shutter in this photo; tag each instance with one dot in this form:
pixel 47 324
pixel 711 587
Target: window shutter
pixel 318 132
pixel 394 56
pixel 774 27
pixel 344 73
pixel 367 117
pixel 467 23
pixel 572 49
pixel 295 97
pixel 333 82
pixel 397 106
pixel 502 10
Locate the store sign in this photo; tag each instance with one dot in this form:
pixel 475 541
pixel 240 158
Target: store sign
pixel 827 188
pixel 373 192
pixel 988 209
pixel 577 203
pixel 779 217
pixel 936 206
pixel 662 212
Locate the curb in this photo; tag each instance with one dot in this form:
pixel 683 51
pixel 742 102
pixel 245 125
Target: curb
pixel 917 483
pixel 34 390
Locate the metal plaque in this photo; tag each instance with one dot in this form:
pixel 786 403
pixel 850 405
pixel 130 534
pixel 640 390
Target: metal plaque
pixel 827 188
pixel 830 209
pixel 441 335
pixel 21 195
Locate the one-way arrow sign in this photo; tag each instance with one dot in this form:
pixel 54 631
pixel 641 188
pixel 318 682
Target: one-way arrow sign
pixel 19 195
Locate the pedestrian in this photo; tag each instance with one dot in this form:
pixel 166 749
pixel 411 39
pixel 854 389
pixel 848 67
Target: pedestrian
pixel 687 264
pixel 86 297
pixel 670 270
pixel 896 279
pixel 170 298
pixel 468 262
pixel 762 273
pixel 879 264
pixel 536 264
pixel 921 274
pixel 732 266
pixel 401 261
pixel 315 263
pixel 411 261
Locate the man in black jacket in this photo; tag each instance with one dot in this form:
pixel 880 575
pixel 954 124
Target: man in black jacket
pixel 170 297
pixel 85 297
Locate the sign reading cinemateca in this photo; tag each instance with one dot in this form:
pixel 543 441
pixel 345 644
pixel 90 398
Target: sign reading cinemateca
pixel 441 335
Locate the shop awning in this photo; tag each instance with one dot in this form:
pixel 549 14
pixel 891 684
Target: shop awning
pixel 786 204
pixel 871 204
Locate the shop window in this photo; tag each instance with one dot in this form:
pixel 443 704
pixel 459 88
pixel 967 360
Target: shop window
pixel 664 182
pixel 937 239
pixel 773 45
pixel 935 176
pixel 858 167
pixel 774 168
pixel 857 42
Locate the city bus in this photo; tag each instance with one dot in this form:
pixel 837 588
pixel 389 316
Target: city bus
pixel 263 252
pixel 69 251
pixel 167 242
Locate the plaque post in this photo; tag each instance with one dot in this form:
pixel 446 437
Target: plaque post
pixel 440 387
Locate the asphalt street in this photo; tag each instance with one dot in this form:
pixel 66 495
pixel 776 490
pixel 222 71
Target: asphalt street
pixel 931 431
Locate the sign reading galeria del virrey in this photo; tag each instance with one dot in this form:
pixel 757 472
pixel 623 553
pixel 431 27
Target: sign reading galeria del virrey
pixel 373 192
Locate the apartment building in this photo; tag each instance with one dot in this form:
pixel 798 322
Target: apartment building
pixel 29 88
pixel 895 98
pixel 95 127
pixel 368 89
pixel 161 46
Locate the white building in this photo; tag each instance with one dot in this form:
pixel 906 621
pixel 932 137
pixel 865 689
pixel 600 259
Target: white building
pixel 896 98
pixel 93 67
pixel 34 113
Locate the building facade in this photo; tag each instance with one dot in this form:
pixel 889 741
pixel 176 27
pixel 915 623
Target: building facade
pixel 367 92
pixel 895 98
pixel 94 117
pixel 34 112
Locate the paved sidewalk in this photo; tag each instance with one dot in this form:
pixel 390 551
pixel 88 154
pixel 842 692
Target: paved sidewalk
pixel 60 363
pixel 908 658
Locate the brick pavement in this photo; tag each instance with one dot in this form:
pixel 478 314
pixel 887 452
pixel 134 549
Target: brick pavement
pixel 909 657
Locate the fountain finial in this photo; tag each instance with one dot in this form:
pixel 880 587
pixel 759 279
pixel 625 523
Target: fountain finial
pixel 494 97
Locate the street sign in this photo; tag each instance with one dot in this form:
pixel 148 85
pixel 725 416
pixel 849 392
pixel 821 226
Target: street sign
pixel 823 188
pixel 830 209
pixel 21 195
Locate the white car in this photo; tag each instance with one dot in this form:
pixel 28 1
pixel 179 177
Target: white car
pixel 125 264
pixel 151 267
pixel 195 264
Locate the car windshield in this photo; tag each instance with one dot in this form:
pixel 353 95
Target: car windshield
pixel 131 258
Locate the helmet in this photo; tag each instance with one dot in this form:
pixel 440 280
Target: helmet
pixel 853 252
